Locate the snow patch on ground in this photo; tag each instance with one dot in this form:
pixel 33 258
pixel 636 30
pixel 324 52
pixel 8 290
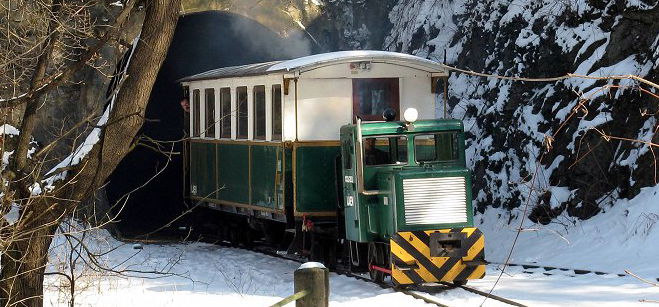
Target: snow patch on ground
pixel 206 275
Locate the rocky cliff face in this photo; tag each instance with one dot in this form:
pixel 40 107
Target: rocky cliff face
pixel 351 24
pixel 85 94
pixel 552 144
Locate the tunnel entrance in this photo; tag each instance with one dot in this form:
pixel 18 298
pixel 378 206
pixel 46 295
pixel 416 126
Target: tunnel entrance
pixel 146 191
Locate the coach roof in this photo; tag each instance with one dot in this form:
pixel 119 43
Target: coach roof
pixel 319 60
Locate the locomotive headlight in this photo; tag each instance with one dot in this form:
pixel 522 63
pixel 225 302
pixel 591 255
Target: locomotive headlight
pixel 411 115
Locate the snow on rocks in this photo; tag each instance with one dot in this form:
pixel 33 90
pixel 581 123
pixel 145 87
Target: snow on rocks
pixel 94 136
pixel 13 214
pixel 83 149
pixel 532 39
pixel 5 158
pixel 8 129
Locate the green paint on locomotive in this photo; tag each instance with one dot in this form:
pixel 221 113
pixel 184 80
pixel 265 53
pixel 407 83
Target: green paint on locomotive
pixel 276 176
pixel 378 217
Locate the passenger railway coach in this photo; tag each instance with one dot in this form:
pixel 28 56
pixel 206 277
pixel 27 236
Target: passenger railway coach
pixel 316 147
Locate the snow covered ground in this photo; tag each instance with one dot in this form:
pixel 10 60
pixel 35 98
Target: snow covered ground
pixel 618 239
pixel 226 276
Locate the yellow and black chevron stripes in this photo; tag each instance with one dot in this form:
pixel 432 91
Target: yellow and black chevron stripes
pixel 412 263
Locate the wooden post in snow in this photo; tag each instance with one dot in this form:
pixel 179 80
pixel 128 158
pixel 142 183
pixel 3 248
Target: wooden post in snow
pixel 313 277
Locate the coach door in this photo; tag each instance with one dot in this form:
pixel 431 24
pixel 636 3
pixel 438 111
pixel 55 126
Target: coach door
pixel 371 96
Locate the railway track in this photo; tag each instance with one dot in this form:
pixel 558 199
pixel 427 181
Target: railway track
pixel 553 270
pixel 414 292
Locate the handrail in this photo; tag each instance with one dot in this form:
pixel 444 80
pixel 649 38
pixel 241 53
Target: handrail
pixel 291 298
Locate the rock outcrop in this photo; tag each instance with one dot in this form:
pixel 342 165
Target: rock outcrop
pixel 555 145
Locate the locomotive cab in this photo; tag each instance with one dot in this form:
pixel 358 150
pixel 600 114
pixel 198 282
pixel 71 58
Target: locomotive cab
pixel 408 199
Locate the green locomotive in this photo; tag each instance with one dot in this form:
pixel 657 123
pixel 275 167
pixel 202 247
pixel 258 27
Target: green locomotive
pixel 300 147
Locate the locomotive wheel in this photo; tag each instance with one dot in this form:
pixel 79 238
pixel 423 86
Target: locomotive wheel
pixel 375 257
pixel 357 256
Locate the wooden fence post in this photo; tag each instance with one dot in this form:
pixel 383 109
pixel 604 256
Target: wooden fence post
pixel 313 277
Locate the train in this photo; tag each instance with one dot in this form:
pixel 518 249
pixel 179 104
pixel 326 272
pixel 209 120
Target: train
pixel 340 157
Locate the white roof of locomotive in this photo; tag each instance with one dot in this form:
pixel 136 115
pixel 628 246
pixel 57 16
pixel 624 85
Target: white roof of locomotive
pixel 319 60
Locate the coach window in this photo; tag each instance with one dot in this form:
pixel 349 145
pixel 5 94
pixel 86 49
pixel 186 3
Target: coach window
pixel 276 112
pixel 370 97
pixel 209 94
pixel 259 112
pixel 241 93
pixel 196 113
pixel 225 113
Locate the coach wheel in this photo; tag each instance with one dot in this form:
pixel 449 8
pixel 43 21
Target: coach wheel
pixel 375 257
pixel 330 255
pixel 234 236
pixel 246 237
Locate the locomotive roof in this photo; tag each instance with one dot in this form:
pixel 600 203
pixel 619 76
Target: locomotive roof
pixel 318 60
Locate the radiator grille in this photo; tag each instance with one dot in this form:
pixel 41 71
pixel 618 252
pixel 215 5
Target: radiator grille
pixel 435 200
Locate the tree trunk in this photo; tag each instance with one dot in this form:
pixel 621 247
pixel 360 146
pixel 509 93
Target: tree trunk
pixel 23 266
pixel 25 259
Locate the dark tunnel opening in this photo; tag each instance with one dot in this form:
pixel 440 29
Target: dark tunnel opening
pixel 202 41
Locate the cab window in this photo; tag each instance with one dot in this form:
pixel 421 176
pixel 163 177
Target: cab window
pixel 436 147
pixel 385 150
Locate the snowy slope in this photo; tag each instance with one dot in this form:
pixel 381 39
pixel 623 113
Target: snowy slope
pixel 623 237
